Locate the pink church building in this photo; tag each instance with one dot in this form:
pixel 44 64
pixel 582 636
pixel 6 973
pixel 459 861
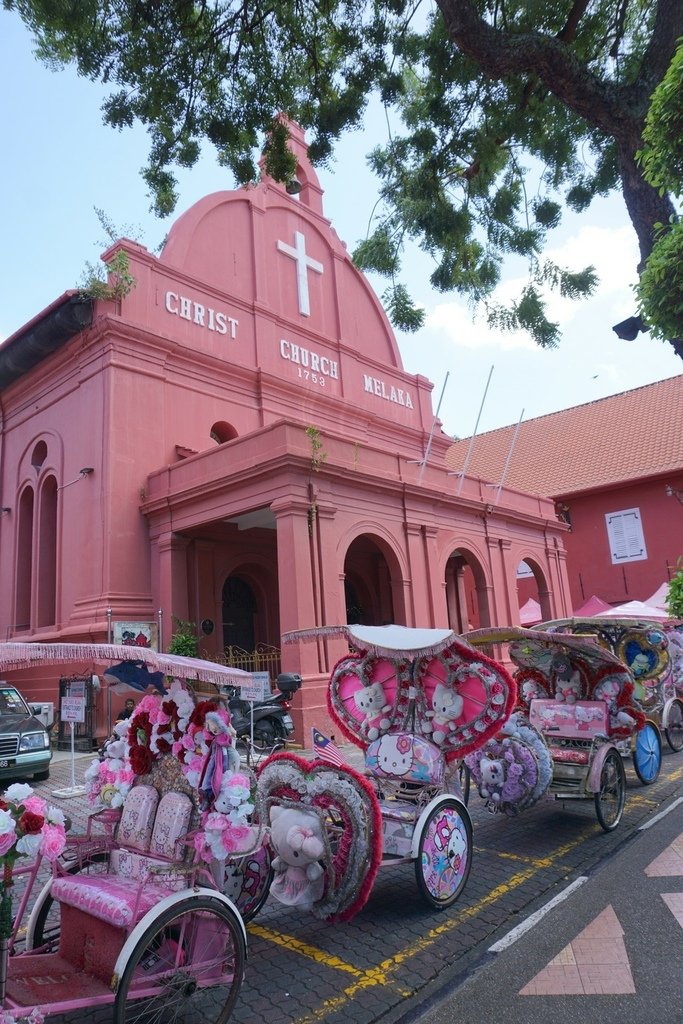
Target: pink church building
pixel 235 443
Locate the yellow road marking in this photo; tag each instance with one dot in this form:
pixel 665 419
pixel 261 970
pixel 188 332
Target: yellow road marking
pixel 537 862
pixel 312 952
pixel 383 973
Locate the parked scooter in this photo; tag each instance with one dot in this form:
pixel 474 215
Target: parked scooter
pixel 272 722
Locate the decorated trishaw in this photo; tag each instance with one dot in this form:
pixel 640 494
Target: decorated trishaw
pixel 144 912
pixel 576 710
pixel 651 651
pixel 415 702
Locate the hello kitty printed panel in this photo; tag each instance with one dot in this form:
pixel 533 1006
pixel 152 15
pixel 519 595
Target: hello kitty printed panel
pixel 368 695
pixel 462 699
pixel 581 720
pixel 407 757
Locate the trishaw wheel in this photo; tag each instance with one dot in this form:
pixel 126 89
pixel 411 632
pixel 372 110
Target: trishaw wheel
pixel 609 800
pixel 444 854
pixel 188 965
pixel 647 753
pixel 674 726
pixel 465 776
pixel 247 882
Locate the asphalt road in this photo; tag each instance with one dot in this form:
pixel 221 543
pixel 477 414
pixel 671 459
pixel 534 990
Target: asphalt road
pixel 398 960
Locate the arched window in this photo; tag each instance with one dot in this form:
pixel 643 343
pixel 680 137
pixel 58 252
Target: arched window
pixel 47 554
pixel 39 455
pixel 22 608
pixel 222 432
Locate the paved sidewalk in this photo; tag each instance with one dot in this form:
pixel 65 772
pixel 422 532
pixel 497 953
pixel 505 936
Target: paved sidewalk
pixel 610 950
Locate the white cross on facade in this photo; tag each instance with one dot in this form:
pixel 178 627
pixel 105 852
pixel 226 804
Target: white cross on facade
pixel 304 263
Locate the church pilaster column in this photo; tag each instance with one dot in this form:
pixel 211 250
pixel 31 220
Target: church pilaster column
pixel 436 582
pixel 416 596
pixel 332 600
pixel 504 581
pixel 298 580
pixel 169 581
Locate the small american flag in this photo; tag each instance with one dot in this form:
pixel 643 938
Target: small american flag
pixel 327 750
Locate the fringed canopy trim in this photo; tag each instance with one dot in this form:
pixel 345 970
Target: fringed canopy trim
pixel 26 655
pixel 383 641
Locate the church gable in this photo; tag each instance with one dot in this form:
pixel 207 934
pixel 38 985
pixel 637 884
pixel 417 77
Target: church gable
pixel 259 277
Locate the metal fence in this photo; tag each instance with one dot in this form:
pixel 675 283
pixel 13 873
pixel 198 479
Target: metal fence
pixel 263 658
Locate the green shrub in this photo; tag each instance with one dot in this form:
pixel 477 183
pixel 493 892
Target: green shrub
pixel 674 599
pixel 184 639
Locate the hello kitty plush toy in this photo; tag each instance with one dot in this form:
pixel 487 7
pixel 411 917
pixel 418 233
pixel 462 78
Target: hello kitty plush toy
pixel 608 690
pixel 567 681
pixel 447 707
pixel 492 778
pixel 371 702
pixel 296 836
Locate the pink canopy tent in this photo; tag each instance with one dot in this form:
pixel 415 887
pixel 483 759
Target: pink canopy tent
pixel 593 606
pixel 530 613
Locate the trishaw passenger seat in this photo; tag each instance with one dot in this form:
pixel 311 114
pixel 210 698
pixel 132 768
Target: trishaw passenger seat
pixel 137 818
pixel 170 826
pixel 166 845
pixel 146 840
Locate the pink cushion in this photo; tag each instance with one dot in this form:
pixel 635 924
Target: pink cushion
pixel 118 901
pixel 137 818
pixel 170 826
pixel 399 812
pixel 569 755
pixel 129 864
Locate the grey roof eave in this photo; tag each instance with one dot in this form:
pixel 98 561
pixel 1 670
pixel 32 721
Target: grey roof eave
pixel 47 332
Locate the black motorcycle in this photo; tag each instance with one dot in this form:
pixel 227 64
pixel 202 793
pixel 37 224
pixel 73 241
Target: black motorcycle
pixel 272 721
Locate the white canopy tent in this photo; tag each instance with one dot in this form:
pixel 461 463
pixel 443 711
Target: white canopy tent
pixel 634 610
pixel 658 599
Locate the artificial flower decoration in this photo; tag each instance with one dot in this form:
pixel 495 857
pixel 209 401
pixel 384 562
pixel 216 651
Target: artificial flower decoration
pixel 36 1016
pixel 174 724
pixel 29 827
pixel 108 783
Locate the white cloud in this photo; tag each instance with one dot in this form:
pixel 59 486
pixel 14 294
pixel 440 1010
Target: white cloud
pixel 455 322
pixel 612 251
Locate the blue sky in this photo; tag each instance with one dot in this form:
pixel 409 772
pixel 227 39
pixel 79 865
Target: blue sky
pixel 60 161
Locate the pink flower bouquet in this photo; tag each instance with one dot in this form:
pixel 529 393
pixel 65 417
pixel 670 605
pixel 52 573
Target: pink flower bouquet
pixel 29 827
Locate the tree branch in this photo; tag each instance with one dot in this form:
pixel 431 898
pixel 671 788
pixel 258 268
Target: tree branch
pixel 501 55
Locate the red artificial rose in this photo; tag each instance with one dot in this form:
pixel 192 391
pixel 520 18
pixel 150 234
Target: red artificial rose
pixel 30 823
pixel 200 712
pixel 139 732
pixel 4 806
pixel 163 746
pixel 169 708
pixel 141 760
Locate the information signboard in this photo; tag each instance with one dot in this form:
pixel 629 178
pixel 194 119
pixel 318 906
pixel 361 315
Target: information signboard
pixel 258 688
pixel 72 709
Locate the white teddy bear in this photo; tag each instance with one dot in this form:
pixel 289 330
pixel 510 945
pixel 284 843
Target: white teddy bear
pixel 297 838
pixel 115 748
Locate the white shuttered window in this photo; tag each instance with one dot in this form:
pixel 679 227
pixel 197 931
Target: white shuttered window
pixel 625 535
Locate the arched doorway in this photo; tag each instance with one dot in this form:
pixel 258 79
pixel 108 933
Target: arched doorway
pixel 372 585
pixel 533 595
pixel 239 608
pixel 466 592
